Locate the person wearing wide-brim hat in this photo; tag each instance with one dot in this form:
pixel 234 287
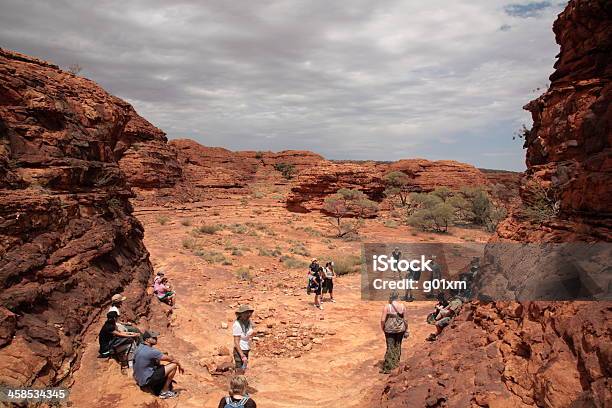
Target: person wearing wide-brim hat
pixel 242 330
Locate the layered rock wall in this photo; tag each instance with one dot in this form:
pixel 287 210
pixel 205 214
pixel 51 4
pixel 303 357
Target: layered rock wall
pixel 68 241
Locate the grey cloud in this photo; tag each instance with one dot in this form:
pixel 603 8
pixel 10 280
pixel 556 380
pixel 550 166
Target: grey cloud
pixel 354 79
pixel 532 9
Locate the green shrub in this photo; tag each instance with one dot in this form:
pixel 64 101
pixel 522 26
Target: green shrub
pixel 163 219
pixel 286 169
pixel 186 222
pixel 238 228
pixel 244 274
pixel 270 252
pixel 345 264
pixel 211 257
pixel 293 263
pixel 237 252
pixel 312 232
pixel 208 228
pixel 258 194
pixel 190 243
pixel 299 249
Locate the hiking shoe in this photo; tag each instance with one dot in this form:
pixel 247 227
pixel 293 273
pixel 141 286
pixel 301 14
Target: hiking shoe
pixel 168 394
pixel 333 301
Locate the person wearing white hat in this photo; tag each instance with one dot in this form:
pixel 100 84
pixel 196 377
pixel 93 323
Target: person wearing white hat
pixel 242 330
pixel 116 302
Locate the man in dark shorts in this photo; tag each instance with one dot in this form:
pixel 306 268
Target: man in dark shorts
pixel 149 373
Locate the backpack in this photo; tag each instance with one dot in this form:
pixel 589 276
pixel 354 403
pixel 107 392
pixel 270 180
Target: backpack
pixel 229 403
pixel 395 323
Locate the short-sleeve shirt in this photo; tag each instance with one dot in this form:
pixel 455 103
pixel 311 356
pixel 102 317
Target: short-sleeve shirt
pixel 160 289
pixel 245 336
pixel 114 309
pixel 146 360
pixel 328 272
pixel 106 336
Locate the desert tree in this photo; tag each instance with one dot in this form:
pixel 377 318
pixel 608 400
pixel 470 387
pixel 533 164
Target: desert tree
pixel 286 169
pixel 75 69
pixel 397 185
pixel 347 209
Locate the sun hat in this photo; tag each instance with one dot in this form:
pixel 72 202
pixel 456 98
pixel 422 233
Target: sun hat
pixel 244 308
pixel 118 298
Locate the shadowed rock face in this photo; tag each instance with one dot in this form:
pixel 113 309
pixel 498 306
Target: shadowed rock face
pixel 68 241
pixel 545 354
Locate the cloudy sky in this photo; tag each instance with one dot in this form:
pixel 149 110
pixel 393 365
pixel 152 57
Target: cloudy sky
pixel 379 79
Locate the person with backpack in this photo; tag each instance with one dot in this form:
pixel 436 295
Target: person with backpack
pixel 328 281
pixel 242 330
pixel 238 396
pixel 315 284
pixel 395 327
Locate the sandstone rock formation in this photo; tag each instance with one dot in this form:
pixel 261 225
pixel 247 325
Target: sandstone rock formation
pixel 313 185
pixel 215 172
pixel 68 241
pixel 510 354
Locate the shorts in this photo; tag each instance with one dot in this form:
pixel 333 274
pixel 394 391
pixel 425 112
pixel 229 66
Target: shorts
pixel 328 285
pixel 166 295
pixel 445 321
pixel 157 380
pixel 238 359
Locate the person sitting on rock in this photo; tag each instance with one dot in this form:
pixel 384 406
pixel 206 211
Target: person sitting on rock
pixel 238 396
pixel 242 330
pixel 116 343
pixel 445 316
pixel 116 303
pixel 148 370
pixel 163 292
pixel 158 277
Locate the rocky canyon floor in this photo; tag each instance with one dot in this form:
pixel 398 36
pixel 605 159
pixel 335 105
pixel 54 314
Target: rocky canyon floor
pixel 302 356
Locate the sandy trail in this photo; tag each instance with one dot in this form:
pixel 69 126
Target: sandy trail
pixel 340 362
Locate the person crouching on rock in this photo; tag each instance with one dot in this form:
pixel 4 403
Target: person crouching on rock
pixel 393 323
pixel 148 370
pixel 116 343
pixel 328 281
pixel 238 396
pixel 242 330
pixel 163 292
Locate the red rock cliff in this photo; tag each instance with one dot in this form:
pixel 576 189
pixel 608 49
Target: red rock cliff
pixel 68 241
pixel 312 186
pixel 540 354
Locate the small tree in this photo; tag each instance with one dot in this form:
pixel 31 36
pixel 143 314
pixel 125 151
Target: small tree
pixel 398 185
pixel 432 213
pixel 286 169
pixel 348 205
pixel 74 69
pixel 443 192
pixel 540 202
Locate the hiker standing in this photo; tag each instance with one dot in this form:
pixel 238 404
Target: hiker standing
pixel 328 281
pixel 315 285
pixel 242 330
pixel 393 323
pixel 396 255
pixel 238 396
pixel 149 373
